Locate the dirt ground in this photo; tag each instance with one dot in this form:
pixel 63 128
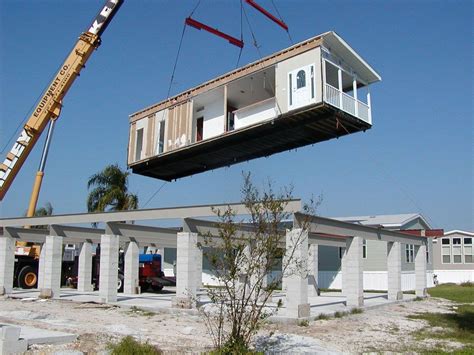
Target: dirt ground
pixel 382 329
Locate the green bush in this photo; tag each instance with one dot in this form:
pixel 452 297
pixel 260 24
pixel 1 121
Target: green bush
pixel 323 316
pixel 357 310
pixel 129 346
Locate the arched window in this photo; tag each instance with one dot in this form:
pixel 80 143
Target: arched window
pixel 301 79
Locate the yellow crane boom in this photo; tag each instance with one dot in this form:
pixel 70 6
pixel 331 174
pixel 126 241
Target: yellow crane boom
pixel 49 107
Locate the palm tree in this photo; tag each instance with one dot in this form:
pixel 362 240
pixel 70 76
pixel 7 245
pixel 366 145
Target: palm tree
pixel 47 210
pixel 110 191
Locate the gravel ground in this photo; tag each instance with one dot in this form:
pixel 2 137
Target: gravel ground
pixel 382 329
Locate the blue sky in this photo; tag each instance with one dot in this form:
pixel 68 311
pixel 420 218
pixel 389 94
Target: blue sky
pixel 418 157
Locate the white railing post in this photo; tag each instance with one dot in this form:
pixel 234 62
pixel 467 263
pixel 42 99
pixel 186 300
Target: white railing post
pixel 356 105
pixel 324 80
pixel 339 83
pixel 369 105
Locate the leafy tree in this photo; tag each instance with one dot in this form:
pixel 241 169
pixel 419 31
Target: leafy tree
pixel 109 191
pixel 243 257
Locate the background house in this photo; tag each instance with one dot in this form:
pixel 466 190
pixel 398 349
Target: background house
pixel 375 253
pixel 453 257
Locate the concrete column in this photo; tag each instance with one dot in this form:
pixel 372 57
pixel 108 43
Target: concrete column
pixel 343 273
pixel 10 341
pixel 109 249
pixel 131 268
pixel 297 305
pixel 283 279
pixel 84 274
pixel 53 249
pixel 394 271
pixel 7 263
pixel 198 268
pixel 41 267
pixel 185 270
pixel 353 280
pixel 420 270
pixel 313 270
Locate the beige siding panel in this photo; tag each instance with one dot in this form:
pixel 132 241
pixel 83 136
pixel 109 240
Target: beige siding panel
pixel 149 137
pixel 131 147
pixel 179 126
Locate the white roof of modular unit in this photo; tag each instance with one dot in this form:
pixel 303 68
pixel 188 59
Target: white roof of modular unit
pixel 336 44
pixel 457 231
pixel 332 41
pixel 386 221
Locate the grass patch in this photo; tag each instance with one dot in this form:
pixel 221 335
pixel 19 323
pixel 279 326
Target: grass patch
pixel 340 314
pixel 457 326
pixel 141 312
pixel 323 316
pixel 303 323
pixel 463 293
pixel 357 310
pixel 417 299
pixel 129 346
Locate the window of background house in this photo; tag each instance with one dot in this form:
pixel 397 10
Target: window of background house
pixel 446 253
pixel 468 251
pixel 341 252
pixel 445 241
pixel 364 249
pixel 409 253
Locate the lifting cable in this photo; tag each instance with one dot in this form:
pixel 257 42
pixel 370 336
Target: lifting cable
pixel 169 89
pixel 281 18
pixel 241 33
pixel 255 43
pixel 201 26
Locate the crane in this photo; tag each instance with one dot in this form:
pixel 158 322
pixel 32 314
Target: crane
pixel 49 106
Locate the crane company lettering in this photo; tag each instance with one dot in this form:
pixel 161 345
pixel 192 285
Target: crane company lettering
pixel 101 18
pixel 50 92
pixel 13 156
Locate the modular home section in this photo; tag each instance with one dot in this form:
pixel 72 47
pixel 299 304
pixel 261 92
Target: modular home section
pixel 313 91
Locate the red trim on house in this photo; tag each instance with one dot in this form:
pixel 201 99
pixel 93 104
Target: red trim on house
pixel 427 233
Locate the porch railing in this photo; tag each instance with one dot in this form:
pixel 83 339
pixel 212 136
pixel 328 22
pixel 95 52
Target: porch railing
pixel 347 103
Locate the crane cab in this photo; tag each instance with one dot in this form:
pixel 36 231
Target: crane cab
pixel 313 91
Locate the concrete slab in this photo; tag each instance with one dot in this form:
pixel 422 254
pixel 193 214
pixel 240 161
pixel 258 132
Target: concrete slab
pixel 42 336
pixel 327 303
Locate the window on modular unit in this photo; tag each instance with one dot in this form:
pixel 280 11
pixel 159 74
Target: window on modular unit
pixel 301 79
pixel 139 144
pixel 409 253
pixel 160 141
pixel 428 260
pixel 446 254
pixel 199 129
pixel 364 249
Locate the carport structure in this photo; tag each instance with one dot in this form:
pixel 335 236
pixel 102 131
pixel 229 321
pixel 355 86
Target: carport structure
pixel 316 231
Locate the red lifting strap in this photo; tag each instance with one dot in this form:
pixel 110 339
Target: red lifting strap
pixel 200 26
pixel 266 13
